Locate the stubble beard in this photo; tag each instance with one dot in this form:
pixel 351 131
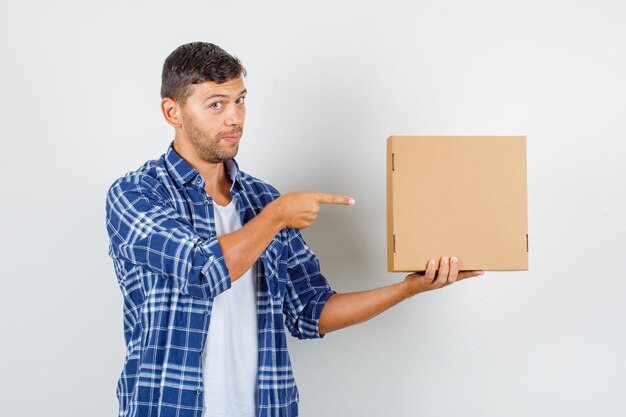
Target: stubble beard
pixel 208 147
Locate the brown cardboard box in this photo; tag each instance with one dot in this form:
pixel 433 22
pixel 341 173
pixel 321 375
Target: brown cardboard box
pixel 461 196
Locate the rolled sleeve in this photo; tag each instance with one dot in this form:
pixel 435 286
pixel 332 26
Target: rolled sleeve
pixel 147 232
pixel 215 270
pixel 307 290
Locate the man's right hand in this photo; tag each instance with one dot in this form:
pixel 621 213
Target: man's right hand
pixel 299 210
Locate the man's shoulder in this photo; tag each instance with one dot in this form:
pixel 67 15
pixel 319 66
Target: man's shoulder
pixel 150 176
pixel 257 186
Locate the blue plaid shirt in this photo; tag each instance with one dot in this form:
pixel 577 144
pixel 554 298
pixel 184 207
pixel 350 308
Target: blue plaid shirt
pixel 170 267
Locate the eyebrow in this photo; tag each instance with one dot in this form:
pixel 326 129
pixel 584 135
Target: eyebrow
pixel 223 95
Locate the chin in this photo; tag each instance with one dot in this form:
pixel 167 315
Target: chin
pixel 234 152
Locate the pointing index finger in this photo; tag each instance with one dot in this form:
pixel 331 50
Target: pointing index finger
pixel 335 199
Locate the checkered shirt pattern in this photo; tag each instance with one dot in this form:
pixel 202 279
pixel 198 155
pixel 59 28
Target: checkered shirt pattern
pixel 169 266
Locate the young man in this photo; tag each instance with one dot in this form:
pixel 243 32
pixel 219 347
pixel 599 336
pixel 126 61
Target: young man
pixel 210 260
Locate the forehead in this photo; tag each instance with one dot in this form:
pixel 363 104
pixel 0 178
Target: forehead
pixel 230 88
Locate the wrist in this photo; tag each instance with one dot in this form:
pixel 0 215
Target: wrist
pixel 409 288
pixel 406 290
pixel 274 213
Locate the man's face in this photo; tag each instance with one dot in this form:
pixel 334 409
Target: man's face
pixel 212 119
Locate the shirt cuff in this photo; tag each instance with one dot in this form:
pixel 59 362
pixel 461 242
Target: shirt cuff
pixel 310 318
pixel 215 272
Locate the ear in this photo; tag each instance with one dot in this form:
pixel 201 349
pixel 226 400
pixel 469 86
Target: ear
pixel 171 112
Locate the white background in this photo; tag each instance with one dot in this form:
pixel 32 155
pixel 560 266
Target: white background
pixel 328 82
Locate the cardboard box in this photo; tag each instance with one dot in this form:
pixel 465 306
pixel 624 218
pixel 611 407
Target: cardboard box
pixel 461 196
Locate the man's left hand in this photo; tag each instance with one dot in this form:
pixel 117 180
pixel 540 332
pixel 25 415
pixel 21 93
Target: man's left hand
pixel 431 279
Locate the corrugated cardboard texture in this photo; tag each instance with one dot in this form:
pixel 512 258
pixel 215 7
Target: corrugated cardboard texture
pixel 461 196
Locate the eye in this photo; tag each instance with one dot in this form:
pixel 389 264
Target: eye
pixel 240 100
pixel 216 106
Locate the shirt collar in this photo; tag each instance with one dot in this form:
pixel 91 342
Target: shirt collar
pixel 182 172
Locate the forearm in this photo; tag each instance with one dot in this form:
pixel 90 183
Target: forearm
pixel 343 310
pixel 294 210
pixel 243 247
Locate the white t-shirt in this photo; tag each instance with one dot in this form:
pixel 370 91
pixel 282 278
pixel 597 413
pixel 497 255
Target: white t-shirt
pixel 231 351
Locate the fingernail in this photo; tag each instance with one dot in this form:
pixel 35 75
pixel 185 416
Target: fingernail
pixel 445 260
pixel 454 259
pixel 351 201
pixel 432 262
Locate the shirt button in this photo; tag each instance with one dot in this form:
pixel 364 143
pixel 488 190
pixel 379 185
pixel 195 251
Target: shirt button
pixel 206 313
pixel 198 391
pixel 206 201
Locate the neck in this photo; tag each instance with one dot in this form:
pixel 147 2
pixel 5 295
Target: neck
pixel 215 176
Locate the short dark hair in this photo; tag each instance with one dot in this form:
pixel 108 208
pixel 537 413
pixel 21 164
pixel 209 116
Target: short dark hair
pixel 195 63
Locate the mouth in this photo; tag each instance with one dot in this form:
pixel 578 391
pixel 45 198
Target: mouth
pixel 232 138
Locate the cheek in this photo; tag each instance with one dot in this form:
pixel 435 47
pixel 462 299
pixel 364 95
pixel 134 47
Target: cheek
pixel 208 122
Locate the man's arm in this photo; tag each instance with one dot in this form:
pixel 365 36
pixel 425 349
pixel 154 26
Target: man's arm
pixel 147 232
pixel 294 210
pixel 343 310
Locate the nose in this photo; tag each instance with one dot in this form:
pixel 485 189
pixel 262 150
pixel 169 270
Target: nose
pixel 235 115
